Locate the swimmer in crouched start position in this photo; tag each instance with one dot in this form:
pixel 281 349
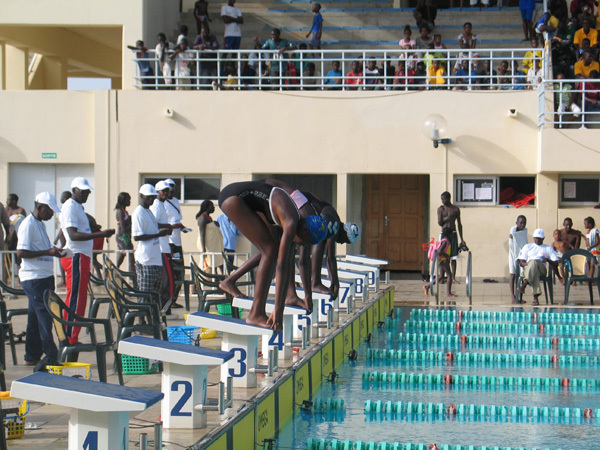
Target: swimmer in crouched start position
pixel 269 218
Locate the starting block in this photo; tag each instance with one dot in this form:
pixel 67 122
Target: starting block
pixel 361 281
pixel 242 340
pixel 346 294
pixel 322 315
pixel 100 411
pixel 373 271
pixel 185 369
pixel 282 341
pixel 370 262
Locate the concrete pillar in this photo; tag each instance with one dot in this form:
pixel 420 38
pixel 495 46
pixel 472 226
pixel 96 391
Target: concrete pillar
pixel 547 206
pixel 17 67
pixel 55 72
pixel 2 65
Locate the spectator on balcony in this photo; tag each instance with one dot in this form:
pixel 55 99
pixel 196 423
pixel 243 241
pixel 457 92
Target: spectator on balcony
pixel 467 40
pixel 334 77
pixel 354 78
pixel 586 65
pixel 579 7
pixel 527 7
pixel 184 61
pixel 420 76
pixel 386 73
pixel 372 77
pixel 591 91
pixel 518 77
pixel 487 76
pixel 403 76
pixel 316 30
pixel 407 43
pixel 535 75
pixel 207 44
pixel 531 55
pixel 282 46
pixel 183 32
pixel 437 42
pixel 586 31
pixel 585 46
pixel 309 79
pixel 565 31
pixel 436 75
pixel 565 99
pixel 164 62
pixel 465 77
pixel 146 73
pixel 546 24
pixel 424 39
pixel 248 74
pixel 425 14
pixel 504 82
pixel 232 18
pixel 201 15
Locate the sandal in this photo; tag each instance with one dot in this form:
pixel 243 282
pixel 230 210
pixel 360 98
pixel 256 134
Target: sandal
pixel 519 301
pixel 536 303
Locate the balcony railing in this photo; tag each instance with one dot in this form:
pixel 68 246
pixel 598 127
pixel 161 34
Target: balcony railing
pixel 569 103
pixel 311 70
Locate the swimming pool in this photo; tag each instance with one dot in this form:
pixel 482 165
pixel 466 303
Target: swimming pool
pixel 520 380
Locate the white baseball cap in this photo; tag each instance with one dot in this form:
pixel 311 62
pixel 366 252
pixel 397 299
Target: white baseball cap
pixel 81 184
pixel 162 185
pixel 46 198
pixel 538 233
pixel 170 182
pixel 148 190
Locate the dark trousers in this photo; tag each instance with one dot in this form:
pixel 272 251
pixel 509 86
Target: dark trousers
pixel 38 337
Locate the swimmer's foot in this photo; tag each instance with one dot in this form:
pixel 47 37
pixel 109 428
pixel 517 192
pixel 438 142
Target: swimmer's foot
pixel 231 289
pixel 260 320
pixel 297 301
pixel 426 290
pixel 450 295
pixel 321 289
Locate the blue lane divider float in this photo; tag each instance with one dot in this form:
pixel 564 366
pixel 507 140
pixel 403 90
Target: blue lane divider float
pixel 335 444
pixel 496 316
pixel 484 358
pixel 503 328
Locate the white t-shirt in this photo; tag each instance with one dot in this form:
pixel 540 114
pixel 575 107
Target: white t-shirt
pixel 518 241
pixel 158 209
pixel 232 29
pixel 72 214
pixel 147 252
pixel 174 216
pixel 32 235
pixel 533 251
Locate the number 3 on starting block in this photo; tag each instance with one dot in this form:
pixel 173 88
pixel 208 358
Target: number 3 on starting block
pixel 240 358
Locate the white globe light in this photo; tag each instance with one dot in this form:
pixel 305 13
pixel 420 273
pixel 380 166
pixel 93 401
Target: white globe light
pixel 434 127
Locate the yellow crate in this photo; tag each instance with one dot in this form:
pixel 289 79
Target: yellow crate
pixel 72 369
pixel 14 425
pixel 205 333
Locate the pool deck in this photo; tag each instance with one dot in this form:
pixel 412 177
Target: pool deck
pixel 52 421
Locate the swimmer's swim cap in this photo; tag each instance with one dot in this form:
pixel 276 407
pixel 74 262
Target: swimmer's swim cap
pixel 317 228
pixel 333 226
pixel 352 231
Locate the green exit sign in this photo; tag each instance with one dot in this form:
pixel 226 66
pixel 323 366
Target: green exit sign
pixel 48 155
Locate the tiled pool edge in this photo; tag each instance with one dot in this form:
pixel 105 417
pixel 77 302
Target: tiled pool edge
pixel 262 415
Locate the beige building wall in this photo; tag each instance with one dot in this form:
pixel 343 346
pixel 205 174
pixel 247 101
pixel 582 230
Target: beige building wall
pixel 238 134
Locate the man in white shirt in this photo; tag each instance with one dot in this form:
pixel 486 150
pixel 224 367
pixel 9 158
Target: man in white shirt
pixel 160 213
pixel 533 259
pixel 37 276
pixel 232 17
pixel 173 208
pixel 144 229
pixel 80 240
pixel 517 238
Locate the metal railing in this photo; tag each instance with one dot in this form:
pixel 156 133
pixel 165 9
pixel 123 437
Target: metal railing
pixel 293 69
pixel 574 103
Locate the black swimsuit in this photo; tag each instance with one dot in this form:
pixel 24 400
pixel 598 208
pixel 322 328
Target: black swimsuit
pixel 256 194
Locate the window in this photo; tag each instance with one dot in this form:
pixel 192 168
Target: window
pixel 491 190
pixel 580 190
pixel 191 188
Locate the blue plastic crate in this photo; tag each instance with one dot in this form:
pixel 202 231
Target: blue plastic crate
pixel 184 334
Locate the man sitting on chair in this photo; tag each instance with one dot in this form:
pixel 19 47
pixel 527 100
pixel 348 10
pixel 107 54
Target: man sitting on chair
pixel 533 259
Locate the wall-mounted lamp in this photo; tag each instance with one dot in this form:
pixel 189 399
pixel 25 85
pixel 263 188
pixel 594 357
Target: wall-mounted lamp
pixel 434 128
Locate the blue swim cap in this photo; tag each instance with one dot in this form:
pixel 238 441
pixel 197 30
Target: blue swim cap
pixel 317 228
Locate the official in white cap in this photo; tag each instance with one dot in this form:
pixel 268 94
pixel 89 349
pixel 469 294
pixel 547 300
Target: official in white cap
pixel 533 259
pixel 79 237
pixel 145 231
pixel 174 216
pixel 37 276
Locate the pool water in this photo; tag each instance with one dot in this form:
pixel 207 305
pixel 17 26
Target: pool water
pixel 510 430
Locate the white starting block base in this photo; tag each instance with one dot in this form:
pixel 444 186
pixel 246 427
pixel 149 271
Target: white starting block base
pixel 361 281
pixel 100 411
pixel 346 294
pixel 372 271
pixel 283 340
pixel 185 368
pixel 239 338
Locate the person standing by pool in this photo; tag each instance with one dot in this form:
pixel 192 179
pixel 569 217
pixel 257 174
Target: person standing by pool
pixel 517 238
pixel 124 231
pixel 449 217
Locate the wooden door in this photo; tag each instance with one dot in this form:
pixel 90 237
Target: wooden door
pixel 395 216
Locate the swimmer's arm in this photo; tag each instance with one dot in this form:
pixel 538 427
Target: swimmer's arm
pixel 284 259
pixel 440 212
pixel 460 229
pixel 304 268
pixel 331 263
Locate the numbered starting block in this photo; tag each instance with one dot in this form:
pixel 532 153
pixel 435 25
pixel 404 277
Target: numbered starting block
pixel 242 340
pixel 282 341
pixel 372 271
pixel 99 411
pixel 185 369
pixel 370 262
pixel 361 281
pixel 346 295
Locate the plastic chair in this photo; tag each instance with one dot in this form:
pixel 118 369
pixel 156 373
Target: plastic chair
pixel 576 263
pixel 179 268
pixel 547 282
pixel 7 314
pixel 209 297
pixel 57 309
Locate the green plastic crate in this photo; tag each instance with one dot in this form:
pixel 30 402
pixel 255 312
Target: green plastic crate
pixel 224 309
pixel 135 365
